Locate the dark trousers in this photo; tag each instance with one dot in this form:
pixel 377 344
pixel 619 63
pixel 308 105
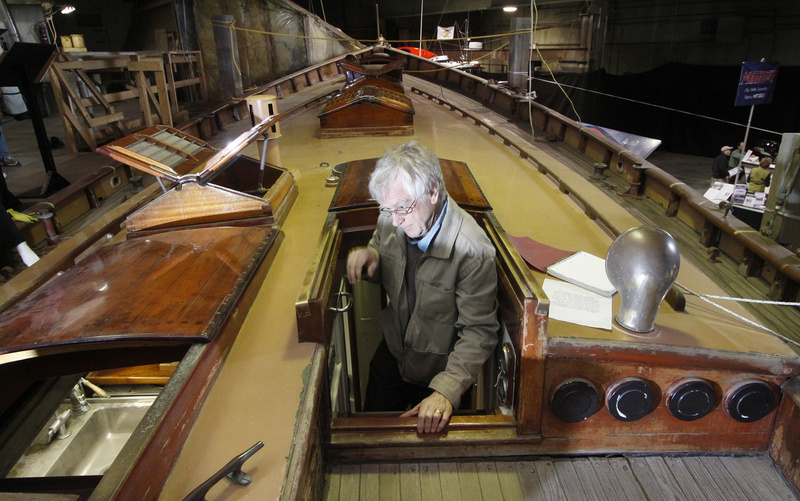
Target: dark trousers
pixel 386 390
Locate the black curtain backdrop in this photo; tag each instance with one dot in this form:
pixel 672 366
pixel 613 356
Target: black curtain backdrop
pixel 701 91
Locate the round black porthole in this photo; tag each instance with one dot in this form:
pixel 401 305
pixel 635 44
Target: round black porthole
pixel 750 401
pixel 630 399
pixel 574 400
pixel 691 400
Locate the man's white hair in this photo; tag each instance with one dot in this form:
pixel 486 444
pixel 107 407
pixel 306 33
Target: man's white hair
pixel 414 165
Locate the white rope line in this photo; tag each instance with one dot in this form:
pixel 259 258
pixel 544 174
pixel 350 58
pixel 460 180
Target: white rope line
pixel 705 297
pixel 743 300
pixel 655 105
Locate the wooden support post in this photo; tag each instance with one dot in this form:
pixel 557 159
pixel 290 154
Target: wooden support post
pixel 751 264
pixel 710 235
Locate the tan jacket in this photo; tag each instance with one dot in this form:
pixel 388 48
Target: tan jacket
pixel 759 179
pixel 453 330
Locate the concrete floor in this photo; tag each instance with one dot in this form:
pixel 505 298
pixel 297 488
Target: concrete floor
pixel 29 178
pixel 694 171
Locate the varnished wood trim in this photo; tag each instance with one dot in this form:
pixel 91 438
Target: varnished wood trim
pixel 364 446
pixel 313 318
pixel 785 445
pixel 650 353
pixel 391 423
pixel 306 470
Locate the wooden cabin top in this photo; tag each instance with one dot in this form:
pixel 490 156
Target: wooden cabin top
pixel 172 287
pixel 379 68
pixel 353 190
pixel 383 96
pixel 243 191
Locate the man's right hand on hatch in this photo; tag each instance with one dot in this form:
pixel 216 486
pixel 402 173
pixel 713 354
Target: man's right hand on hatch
pixel 358 260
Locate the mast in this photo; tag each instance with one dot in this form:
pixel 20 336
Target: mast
pixel 421 4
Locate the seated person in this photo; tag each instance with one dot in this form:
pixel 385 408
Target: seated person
pixel 437 267
pixel 759 177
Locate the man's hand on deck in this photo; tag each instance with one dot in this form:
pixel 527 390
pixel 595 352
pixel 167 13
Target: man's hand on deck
pixel 359 259
pixel 434 413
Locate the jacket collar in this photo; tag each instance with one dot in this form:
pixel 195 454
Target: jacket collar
pixel 442 245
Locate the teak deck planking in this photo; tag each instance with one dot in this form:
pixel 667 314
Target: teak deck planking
pixel 743 478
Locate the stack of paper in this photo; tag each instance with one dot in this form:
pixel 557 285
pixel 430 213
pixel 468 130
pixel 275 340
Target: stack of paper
pixel 588 301
pixel 584 270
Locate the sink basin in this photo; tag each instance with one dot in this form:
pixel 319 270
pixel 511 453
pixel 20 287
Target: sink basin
pixel 95 439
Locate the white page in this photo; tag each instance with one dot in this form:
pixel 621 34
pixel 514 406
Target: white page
pixel 719 192
pixel 577 305
pixel 584 270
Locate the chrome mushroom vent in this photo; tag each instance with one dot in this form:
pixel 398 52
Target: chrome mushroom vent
pixel 642 264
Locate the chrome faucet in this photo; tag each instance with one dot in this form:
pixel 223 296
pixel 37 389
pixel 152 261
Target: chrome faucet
pixel 59 429
pixel 78 398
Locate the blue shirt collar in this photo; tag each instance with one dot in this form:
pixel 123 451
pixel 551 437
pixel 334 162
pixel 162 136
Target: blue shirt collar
pixel 425 241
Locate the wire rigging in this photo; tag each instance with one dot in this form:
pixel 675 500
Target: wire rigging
pixel 707 298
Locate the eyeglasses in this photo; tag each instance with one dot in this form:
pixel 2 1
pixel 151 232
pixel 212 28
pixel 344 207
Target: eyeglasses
pixel 400 211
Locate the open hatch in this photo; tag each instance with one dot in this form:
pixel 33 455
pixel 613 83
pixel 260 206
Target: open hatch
pixel 344 319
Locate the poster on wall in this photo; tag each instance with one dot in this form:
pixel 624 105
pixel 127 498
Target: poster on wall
pixel 756 83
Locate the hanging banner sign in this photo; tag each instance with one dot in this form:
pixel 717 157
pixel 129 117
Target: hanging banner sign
pixel 756 83
pixel 445 32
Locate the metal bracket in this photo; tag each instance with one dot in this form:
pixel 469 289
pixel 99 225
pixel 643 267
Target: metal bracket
pixel 344 301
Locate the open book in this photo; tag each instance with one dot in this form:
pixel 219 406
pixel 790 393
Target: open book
pixel 584 270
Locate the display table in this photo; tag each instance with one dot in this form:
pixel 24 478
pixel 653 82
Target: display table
pixel 749 215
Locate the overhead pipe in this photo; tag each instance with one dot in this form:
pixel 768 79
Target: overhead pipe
pixel 9 21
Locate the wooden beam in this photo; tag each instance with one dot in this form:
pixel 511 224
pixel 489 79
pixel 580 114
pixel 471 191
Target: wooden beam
pixel 69 129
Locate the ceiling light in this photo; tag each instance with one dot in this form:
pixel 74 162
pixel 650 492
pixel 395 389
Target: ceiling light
pixel 67 9
pixel 510 8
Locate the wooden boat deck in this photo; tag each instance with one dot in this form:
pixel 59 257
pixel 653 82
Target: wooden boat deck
pixel 269 334
pixel 659 478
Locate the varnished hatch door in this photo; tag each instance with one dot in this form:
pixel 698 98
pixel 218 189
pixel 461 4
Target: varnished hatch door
pixel 169 288
pixel 353 191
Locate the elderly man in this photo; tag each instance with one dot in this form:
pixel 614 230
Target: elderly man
pixel 437 268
